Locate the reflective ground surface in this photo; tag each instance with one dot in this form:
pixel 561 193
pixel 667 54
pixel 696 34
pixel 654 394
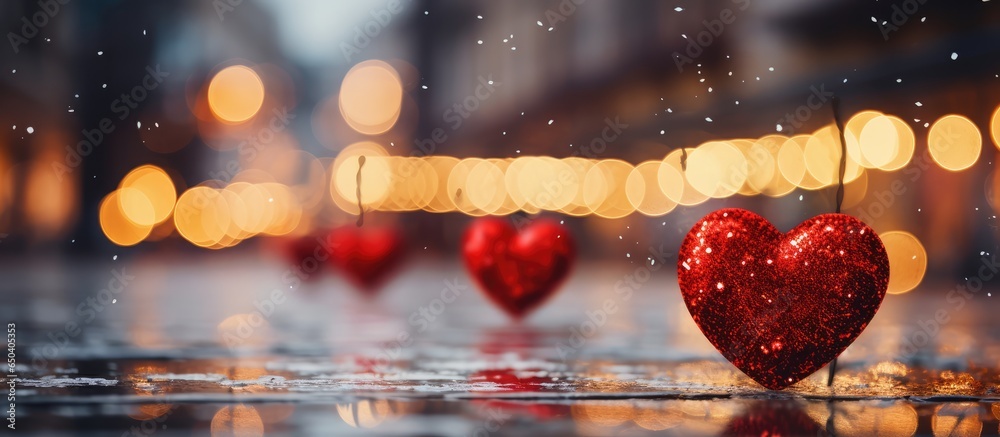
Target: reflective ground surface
pixel 208 347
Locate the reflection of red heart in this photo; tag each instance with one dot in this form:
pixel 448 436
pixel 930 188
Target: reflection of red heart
pixel 781 306
pixel 366 255
pixel 518 271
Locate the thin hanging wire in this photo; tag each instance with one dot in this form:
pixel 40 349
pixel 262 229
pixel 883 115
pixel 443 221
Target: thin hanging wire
pixel 835 103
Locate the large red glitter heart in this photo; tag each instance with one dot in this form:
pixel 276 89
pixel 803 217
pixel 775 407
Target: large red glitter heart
pixel 781 306
pixel 366 255
pixel 518 271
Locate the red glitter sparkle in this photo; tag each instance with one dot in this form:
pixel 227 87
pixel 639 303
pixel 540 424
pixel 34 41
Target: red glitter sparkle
pixel 781 306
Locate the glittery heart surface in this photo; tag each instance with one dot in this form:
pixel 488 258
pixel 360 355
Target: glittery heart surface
pixel 518 270
pixel 781 306
pixel 367 255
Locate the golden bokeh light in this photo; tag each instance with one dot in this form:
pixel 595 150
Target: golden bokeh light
pixel 791 161
pixel 371 97
pixel 995 127
pixel 906 143
pixel 907 261
pixel 716 169
pixel 745 147
pixel 376 176
pixel 852 136
pixel 484 186
pixel 237 421
pixel 604 189
pixel 672 181
pixel 456 186
pixel 235 94
pixel 154 186
pixel 136 206
pixel 643 190
pixel 954 142
pixel 957 419
pixel 579 167
pixel 116 226
pixel 879 141
pixel 198 216
pixel 543 182
pixel 366 413
pixel 822 156
pixel 867 418
pixel 443 200
pixel 768 178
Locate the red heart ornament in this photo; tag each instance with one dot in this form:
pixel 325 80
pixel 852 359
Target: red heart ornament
pixel 518 271
pixel 781 306
pixel 366 255
pixel 305 253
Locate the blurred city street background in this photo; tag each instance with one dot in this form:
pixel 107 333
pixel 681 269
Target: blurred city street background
pixel 163 166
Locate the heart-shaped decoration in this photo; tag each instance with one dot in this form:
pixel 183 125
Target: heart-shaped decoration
pixel 305 254
pixel 518 270
pixel 366 255
pixel 781 306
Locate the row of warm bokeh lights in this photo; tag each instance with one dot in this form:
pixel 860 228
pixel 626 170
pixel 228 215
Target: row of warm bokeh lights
pixel 285 198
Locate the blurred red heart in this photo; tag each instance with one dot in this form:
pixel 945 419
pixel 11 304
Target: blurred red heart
pixel 366 255
pixel 301 252
pixel 518 271
pixel 781 306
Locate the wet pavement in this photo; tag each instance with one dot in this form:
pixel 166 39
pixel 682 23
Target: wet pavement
pixel 205 346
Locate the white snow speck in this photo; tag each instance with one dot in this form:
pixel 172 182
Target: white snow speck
pixel 101 52
pixel 480 42
pixel 30 130
pixel 539 23
pixel 138 125
pixel 919 104
pixel 708 119
pixel 423 87
pixel 114 258
pixel 678 9
pixel 954 56
pixel 551 121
